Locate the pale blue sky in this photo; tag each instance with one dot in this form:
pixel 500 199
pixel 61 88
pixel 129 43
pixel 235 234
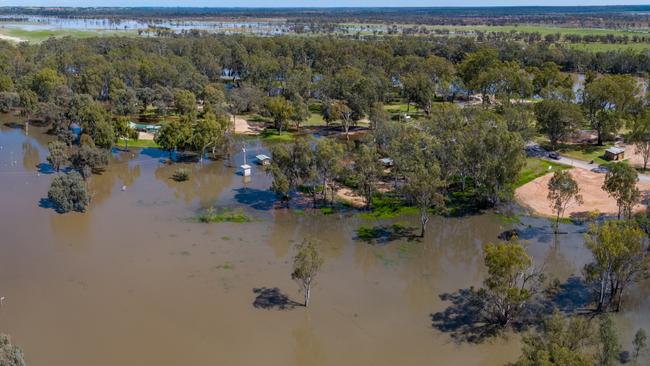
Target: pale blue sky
pixel 314 3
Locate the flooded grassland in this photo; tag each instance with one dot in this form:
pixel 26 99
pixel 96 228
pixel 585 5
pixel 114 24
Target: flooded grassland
pixel 135 281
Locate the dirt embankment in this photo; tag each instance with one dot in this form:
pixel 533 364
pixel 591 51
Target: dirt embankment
pixel 533 195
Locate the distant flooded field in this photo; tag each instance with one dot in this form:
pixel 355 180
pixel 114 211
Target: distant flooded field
pixel 136 281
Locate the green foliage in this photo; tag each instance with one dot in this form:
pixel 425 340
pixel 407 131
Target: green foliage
pixel 68 193
pixel 181 175
pixel 610 347
pixel 10 354
pixel 173 135
pixel 561 342
pixel 280 110
pixel 58 154
pixel 558 119
pixel 211 215
pixel 562 190
pixel 620 259
pixel 87 160
pixel 306 264
pixel 620 183
pixel 511 281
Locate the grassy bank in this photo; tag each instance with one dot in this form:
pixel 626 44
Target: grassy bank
pixel 536 168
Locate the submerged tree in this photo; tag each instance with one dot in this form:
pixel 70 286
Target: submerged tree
pixel 173 135
pixel 88 160
pixel 328 158
pixel 620 259
pixel 68 193
pixel 620 183
pixel 58 154
pixel 511 281
pixel 562 190
pixel 10 354
pixel 560 342
pixel 306 265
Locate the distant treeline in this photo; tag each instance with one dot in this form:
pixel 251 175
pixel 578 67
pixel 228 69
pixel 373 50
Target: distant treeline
pixel 589 16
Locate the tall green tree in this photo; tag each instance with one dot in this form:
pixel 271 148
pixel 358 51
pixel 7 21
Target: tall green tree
pixel 640 137
pixel 558 119
pixel 58 154
pixel 280 111
pixel 560 342
pixel 620 183
pixel 620 259
pixel 607 100
pixel 511 281
pixel 68 193
pixel 173 135
pixel 562 190
pixel 306 264
pixel 367 170
pixel 328 157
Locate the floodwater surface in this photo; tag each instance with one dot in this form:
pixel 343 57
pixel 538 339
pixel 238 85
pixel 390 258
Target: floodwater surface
pixel 135 281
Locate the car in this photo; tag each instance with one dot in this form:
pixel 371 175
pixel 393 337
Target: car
pixel 553 155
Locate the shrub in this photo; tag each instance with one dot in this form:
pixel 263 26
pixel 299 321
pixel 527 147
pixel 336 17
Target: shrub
pixel 181 175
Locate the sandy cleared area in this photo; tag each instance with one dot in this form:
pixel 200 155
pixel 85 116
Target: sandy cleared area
pixel 533 195
pixel 350 197
pixel 243 127
pixel 5 37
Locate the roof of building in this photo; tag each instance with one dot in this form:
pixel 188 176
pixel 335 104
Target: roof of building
pixel 615 150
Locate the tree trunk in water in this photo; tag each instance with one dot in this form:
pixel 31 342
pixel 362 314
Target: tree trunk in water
pixel 307 294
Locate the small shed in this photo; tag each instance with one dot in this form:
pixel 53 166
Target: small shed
pixel 615 153
pixel 246 169
pixel 263 159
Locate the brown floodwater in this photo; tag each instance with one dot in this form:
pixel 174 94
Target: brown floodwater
pixel 134 281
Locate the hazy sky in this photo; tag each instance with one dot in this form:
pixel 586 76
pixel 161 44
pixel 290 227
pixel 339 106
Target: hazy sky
pixel 313 3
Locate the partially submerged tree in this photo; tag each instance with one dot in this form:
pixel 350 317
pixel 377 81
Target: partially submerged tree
pixel 620 183
pixel 511 281
pixel 58 154
pixel 10 354
pixel 560 342
pixel 124 131
pixel 620 259
pixel 422 187
pixel 562 190
pixel 173 135
pixel 68 193
pixel 328 157
pixel 306 265
pixel 87 160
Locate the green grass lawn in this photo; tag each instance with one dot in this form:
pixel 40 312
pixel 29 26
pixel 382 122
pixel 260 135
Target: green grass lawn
pixel 536 168
pixel 138 143
pixel 605 47
pixel 586 152
pixel 38 36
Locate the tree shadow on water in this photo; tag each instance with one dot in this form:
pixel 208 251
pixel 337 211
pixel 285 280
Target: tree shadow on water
pixel 382 234
pixel 463 320
pixel 273 299
pixel 255 198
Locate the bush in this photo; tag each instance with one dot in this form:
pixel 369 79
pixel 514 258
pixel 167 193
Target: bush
pixel 68 193
pixel 181 175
